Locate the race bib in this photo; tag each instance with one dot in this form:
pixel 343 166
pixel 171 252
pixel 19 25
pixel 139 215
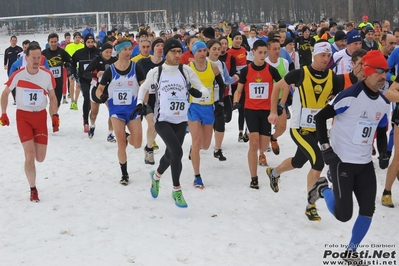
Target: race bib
pixel 364 133
pixel 258 91
pixel 56 71
pixel 307 117
pixel 122 96
pixel 32 97
pixel 177 107
pixel 203 100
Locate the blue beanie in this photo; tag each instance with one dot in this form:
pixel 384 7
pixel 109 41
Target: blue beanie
pixel 198 45
pixel 120 46
pixel 353 36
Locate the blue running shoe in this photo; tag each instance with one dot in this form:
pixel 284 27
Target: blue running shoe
pixel 198 183
pixel 154 185
pixel 91 132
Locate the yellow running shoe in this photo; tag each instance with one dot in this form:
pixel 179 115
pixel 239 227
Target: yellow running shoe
pixel 155 145
pixel 311 213
pixel 386 200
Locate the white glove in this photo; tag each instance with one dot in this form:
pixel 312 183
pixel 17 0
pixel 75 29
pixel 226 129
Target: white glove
pixel 205 93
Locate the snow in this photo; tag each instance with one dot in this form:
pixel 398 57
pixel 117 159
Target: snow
pixel 85 217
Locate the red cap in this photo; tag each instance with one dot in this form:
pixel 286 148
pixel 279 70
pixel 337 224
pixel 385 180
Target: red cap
pixel 365 17
pixel 372 60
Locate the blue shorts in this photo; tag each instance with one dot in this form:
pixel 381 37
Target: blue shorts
pixel 201 113
pixel 123 115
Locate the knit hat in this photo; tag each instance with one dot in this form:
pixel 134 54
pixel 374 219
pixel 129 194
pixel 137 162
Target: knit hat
pixel 374 60
pixel 322 47
pixel 234 33
pixel 198 45
pixel 170 44
pixel 88 37
pixel 209 33
pixel 339 35
pixel 365 17
pixel 155 42
pixel 106 46
pixel 289 40
pixel 332 24
pixel 368 29
pixel 305 28
pixel 353 36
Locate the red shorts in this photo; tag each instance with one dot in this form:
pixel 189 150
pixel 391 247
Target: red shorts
pixel 32 126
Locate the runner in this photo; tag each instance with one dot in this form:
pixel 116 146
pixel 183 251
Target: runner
pixel 33 85
pixel 170 113
pixel 123 79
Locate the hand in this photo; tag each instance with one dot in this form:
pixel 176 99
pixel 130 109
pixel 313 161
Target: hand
pixel 236 106
pixel 205 92
pixel 100 74
pixel 272 118
pixel 195 93
pixel 330 157
pixel 219 109
pixel 104 97
pixel 4 120
pixel 280 109
pixel 56 122
pixel 383 160
pixel 235 77
pixel 75 77
pixel 140 109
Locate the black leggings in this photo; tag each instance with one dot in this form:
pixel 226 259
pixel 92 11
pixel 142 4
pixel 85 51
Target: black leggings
pixel 241 109
pixel 307 150
pixel 173 137
pixel 85 89
pixel 359 179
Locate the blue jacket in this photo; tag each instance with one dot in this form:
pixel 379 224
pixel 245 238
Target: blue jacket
pixel 87 31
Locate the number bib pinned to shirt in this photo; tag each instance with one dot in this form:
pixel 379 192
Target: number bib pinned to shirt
pixel 32 97
pixel 122 96
pixel 258 90
pixel 364 133
pixel 177 107
pixel 307 117
pixel 56 71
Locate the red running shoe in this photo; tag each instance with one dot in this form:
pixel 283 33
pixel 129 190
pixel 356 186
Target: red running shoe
pixel 34 195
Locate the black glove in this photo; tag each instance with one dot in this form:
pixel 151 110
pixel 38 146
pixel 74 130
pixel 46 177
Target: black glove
pixel 76 77
pixel 383 160
pixel 195 93
pixel 280 109
pixel 219 109
pixel 140 109
pixel 236 106
pixel 104 97
pixel 330 157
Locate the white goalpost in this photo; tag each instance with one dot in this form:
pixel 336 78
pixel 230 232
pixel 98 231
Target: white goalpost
pixel 37 27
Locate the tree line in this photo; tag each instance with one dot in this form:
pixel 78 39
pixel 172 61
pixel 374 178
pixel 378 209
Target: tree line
pixel 209 12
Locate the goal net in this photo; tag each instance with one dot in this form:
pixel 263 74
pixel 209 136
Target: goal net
pixel 37 27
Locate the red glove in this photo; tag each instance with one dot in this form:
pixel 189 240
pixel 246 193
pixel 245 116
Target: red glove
pixel 56 122
pixel 4 120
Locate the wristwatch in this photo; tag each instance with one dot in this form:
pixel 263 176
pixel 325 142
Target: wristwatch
pixel 324 146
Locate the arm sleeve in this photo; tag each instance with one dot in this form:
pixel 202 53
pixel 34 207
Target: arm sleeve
pixel 5 57
pixel 222 86
pixel 382 140
pixel 14 67
pixel 321 125
pixel 243 75
pixel 338 84
pixel 233 66
pixel 139 73
pixel 106 78
pixel 194 79
pixel 88 72
pixel 293 77
pixel 274 72
pixel 152 78
pixel 227 79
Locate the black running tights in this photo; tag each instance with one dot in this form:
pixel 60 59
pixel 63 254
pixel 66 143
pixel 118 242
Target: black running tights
pixel 173 137
pixel 85 89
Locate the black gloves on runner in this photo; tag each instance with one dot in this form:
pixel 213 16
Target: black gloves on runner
pixel 140 109
pixel 330 157
pixel 383 160
pixel 195 93
pixel 236 106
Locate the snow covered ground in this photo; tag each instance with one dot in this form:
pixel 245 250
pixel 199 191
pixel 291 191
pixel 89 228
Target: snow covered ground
pixel 85 217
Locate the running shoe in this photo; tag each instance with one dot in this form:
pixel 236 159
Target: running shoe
pixel 91 132
pixel 262 160
pixel 111 138
pixel 315 192
pixel 311 213
pixel 72 104
pixel 75 106
pixel 275 146
pixel 154 185
pixel 273 180
pixel 219 155
pixel 124 180
pixel 64 101
pixel 198 183
pixel 155 145
pixel 86 128
pixel 386 200
pixel 179 199
pixel 254 183
pixel 245 137
pixel 240 137
pixel 34 195
pixel 148 157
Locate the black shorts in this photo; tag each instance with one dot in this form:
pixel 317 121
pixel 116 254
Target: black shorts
pixel 151 103
pixel 257 121
pixel 93 96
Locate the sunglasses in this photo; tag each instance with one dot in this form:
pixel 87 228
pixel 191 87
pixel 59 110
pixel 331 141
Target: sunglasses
pixel 379 70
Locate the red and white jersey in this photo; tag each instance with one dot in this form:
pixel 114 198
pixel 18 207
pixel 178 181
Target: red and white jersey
pixel 31 90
